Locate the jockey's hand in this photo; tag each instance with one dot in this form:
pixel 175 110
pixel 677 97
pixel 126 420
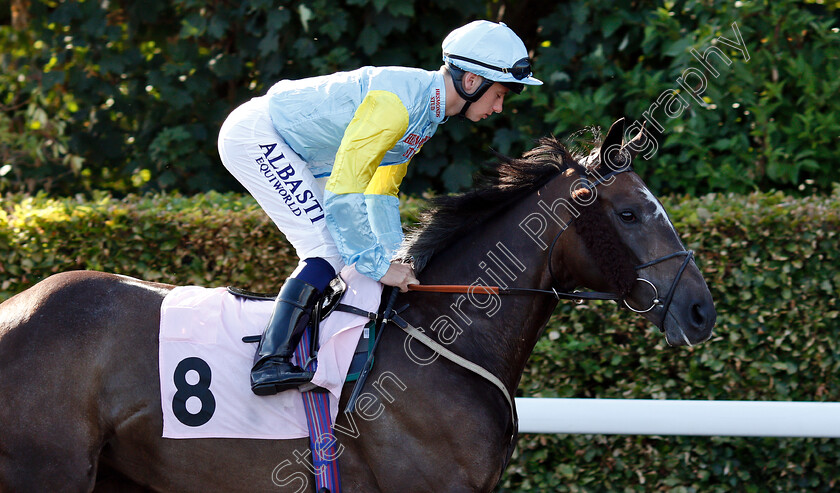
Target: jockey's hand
pixel 399 275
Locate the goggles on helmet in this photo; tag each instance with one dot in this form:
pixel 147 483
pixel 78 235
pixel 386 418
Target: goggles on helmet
pixel 520 69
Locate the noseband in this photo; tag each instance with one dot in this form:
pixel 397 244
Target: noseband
pixel 591 295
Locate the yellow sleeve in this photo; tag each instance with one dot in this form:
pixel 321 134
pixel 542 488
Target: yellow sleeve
pixel 378 124
pixel 386 180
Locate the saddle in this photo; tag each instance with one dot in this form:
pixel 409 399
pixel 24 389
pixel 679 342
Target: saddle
pixel 331 301
pixel 328 302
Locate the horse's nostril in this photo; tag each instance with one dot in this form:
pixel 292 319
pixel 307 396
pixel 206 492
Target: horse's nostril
pixel 698 317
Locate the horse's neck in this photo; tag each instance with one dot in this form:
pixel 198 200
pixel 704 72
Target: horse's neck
pixel 499 332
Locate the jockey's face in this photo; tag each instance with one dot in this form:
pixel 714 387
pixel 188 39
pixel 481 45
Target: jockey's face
pixel 491 102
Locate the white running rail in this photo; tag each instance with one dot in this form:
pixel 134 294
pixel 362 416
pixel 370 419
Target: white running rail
pixel 679 417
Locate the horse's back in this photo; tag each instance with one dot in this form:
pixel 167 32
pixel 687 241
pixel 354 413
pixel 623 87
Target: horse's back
pixel 65 345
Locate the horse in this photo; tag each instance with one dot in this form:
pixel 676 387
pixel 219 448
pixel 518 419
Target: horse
pixel 80 406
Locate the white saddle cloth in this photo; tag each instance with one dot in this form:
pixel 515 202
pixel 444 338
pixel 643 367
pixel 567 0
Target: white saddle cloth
pixel 201 331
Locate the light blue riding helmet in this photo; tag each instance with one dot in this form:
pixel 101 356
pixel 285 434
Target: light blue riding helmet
pixel 491 50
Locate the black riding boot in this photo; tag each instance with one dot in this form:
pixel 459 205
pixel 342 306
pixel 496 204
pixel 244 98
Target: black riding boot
pixel 273 370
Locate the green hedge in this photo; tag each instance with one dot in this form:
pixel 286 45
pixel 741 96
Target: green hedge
pixel 210 239
pixel 771 261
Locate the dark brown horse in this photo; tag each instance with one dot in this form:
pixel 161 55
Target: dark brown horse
pixel 80 406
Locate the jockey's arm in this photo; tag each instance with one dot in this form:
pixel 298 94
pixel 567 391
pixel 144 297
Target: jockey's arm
pixel 383 205
pixel 361 204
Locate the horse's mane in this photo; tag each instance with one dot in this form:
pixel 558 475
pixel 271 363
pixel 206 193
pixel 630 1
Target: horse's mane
pixel 506 182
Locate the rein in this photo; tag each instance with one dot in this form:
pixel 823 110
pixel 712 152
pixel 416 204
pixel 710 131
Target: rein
pixel 579 296
pixel 559 295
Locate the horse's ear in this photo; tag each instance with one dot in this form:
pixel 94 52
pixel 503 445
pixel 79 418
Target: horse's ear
pixel 611 147
pixel 639 142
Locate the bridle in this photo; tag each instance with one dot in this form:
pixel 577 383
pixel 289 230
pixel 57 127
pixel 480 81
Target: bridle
pixel 581 296
pixel 655 300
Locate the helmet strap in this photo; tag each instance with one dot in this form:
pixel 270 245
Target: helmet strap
pixel 458 81
pixel 463 113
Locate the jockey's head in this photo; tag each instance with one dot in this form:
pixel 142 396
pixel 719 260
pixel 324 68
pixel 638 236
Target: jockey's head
pixel 490 50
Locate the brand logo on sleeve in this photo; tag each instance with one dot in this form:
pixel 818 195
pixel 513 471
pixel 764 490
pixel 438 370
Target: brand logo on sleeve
pixel 415 142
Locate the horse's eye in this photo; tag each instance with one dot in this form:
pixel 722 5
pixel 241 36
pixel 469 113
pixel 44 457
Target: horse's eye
pixel 627 216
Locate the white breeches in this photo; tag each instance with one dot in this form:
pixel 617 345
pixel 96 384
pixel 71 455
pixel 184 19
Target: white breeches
pixel 254 153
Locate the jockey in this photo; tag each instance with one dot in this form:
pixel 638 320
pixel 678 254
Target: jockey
pixel 324 157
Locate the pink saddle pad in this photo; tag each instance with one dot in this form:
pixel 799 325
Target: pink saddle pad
pixel 202 359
